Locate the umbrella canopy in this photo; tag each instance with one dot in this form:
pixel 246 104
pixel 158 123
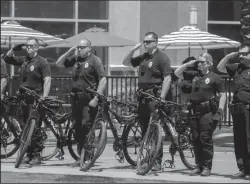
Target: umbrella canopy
pixel 98 38
pixel 14 33
pixel 192 37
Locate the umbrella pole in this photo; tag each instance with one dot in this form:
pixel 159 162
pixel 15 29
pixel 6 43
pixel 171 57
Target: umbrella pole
pixel 188 50
pixel 11 73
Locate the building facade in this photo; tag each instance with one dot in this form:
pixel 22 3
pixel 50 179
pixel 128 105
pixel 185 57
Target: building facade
pixel 127 19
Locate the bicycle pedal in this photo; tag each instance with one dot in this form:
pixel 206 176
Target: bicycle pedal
pixel 168 164
pixel 60 157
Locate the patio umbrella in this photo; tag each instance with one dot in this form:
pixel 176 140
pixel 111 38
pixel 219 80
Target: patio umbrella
pixel 98 37
pixel 191 37
pixel 14 33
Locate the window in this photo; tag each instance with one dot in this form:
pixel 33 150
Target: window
pixel 224 10
pixel 5 8
pixel 44 9
pixel 222 30
pixel 83 26
pixel 59 29
pixel 93 9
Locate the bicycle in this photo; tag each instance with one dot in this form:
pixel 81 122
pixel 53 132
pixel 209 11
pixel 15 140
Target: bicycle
pixel 39 106
pixel 63 138
pixel 180 141
pixel 121 143
pixel 10 127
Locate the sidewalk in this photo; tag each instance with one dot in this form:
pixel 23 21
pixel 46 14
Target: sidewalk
pixel 108 170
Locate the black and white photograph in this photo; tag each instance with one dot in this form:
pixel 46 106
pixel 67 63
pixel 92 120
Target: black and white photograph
pixel 122 91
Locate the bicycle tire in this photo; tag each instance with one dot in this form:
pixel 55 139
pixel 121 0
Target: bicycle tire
pixel 53 153
pixel 71 143
pixel 17 145
pixel 25 141
pixel 154 126
pixel 181 151
pixel 105 141
pixel 125 147
pixel 100 147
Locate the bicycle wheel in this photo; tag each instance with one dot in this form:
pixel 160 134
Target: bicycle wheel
pixel 50 144
pixel 148 150
pixel 73 146
pixel 9 137
pixel 105 139
pixel 186 149
pixel 94 145
pixel 132 139
pixel 25 141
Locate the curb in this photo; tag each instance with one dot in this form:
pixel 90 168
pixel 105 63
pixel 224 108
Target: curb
pixel 69 174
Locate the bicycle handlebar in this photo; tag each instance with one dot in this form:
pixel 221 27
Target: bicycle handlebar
pixel 39 98
pixel 96 93
pixel 159 100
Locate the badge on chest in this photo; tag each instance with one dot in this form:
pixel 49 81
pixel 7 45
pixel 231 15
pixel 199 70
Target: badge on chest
pixel 86 65
pixel 32 67
pixel 207 80
pixel 150 64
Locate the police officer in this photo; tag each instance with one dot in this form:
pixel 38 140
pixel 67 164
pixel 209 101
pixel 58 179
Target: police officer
pixel 206 111
pixel 185 84
pixel 4 77
pixel 88 72
pixel 154 72
pixel 35 75
pixel 237 65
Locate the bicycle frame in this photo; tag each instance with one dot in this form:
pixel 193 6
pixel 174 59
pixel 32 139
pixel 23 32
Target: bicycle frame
pixel 105 112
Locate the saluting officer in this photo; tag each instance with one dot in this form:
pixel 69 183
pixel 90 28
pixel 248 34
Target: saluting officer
pixel 154 72
pixel 237 65
pixel 88 72
pixel 35 75
pixel 206 109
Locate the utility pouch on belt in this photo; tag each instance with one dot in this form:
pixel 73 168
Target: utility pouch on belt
pixel 206 107
pixel 237 108
pixel 214 105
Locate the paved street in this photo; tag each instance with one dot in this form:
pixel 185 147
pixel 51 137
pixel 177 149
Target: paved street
pixel 108 170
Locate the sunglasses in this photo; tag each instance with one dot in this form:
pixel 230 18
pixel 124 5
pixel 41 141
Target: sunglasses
pixel 244 53
pixel 30 46
pixel 82 47
pixel 148 41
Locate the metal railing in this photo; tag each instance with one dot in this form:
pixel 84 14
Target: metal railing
pixel 123 88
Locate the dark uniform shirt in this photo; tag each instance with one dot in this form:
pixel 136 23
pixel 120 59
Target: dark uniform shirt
pixel 86 72
pixel 241 75
pixel 206 88
pixel 4 73
pixel 33 71
pixel 152 69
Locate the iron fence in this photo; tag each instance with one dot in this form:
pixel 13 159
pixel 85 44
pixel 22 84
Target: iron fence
pixel 123 88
